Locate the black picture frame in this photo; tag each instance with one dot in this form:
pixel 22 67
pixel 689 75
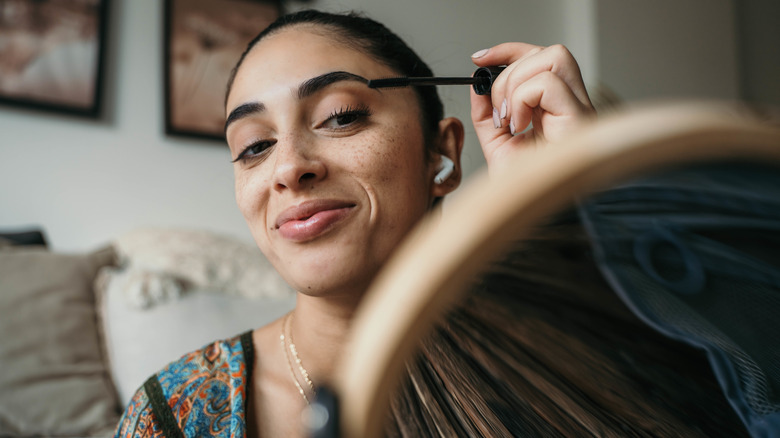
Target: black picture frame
pixel 52 55
pixel 203 41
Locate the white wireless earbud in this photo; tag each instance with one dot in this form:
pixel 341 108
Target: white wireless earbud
pixel 445 169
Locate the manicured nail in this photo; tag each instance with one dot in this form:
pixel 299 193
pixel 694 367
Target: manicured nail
pixel 512 126
pixel 480 53
pixel 503 109
pixel 496 120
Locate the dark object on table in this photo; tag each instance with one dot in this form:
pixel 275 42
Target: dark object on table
pixel 25 238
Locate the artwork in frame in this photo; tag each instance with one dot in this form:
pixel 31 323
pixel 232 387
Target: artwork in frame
pixel 51 54
pixel 203 41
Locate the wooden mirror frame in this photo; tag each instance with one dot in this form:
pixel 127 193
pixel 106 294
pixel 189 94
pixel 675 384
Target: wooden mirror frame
pixel 432 267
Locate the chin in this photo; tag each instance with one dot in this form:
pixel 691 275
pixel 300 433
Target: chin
pixel 324 280
pixel 339 264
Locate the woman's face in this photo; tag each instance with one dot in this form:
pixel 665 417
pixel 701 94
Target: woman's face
pixel 330 174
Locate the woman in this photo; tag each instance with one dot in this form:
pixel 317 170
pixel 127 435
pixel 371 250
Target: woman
pixel 330 176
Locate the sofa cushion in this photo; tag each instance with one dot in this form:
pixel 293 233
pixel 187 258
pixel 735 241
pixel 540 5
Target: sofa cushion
pixel 161 264
pixel 140 342
pixel 54 380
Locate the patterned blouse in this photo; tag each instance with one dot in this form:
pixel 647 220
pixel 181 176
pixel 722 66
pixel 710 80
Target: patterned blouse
pixel 201 394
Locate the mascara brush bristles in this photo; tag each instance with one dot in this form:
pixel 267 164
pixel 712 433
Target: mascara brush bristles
pixel 423 81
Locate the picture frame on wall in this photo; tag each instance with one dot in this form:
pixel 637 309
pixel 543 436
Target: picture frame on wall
pixel 203 41
pixel 52 54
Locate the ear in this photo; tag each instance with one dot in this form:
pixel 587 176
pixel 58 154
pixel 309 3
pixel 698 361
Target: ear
pixel 450 144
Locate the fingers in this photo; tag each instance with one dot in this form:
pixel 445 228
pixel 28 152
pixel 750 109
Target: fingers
pixel 544 80
pixel 487 134
pixel 529 61
pixel 540 86
pixel 504 54
pixel 560 111
pixel 546 100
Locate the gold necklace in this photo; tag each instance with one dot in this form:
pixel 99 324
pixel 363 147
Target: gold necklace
pixel 294 351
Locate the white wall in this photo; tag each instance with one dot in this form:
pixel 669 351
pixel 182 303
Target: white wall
pixel 580 36
pixel 86 182
pixel 759 41
pixel 668 48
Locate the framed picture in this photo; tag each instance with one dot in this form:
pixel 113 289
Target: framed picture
pixel 51 54
pixel 203 41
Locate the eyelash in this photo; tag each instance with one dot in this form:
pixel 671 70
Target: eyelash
pixel 361 111
pixel 244 155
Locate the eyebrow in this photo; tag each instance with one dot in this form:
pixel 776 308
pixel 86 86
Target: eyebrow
pixel 306 89
pixel 317 83
pixel 242 111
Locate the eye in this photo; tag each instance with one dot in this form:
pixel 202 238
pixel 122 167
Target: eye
pixel 255 150
pixel 345 117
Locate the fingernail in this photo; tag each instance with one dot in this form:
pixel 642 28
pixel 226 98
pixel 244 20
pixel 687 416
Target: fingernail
pixel 496 120
pixel 480 53
pixel 503 109
pixel 512 126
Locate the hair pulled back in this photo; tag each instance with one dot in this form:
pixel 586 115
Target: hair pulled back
pixel 374 39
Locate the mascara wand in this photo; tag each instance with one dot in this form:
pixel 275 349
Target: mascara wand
pixel 482 80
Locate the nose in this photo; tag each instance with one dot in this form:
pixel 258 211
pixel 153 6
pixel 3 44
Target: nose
pixel 296 166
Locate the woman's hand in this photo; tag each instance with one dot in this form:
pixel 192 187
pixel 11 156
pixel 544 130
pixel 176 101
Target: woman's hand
pixel 541 86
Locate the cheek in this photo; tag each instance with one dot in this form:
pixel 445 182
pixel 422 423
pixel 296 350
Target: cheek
pixel 252 200
pixel 376 169
pixel 250 196
pixel 241 193
pixel 393 155
pixel 393 168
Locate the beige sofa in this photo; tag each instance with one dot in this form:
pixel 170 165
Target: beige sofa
pixel 80 332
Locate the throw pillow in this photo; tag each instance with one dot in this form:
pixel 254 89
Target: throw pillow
pixel 53 377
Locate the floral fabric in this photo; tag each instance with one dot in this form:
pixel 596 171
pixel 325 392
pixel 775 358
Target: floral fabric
pixel 201 394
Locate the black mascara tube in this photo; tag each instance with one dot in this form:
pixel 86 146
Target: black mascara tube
pixel 481 81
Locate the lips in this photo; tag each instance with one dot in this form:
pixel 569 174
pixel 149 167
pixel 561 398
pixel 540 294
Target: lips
pixel 311 219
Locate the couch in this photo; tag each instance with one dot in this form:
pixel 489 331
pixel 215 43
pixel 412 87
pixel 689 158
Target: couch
pixel 81 332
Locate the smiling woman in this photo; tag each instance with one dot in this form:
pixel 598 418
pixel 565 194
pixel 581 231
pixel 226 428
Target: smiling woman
pixel 330 176
pixel 328 161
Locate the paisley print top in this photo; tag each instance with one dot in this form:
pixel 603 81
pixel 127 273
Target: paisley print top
pixel 201 394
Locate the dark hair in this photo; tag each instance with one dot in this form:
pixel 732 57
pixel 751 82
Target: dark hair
pixel 377 41
pixel 542 346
